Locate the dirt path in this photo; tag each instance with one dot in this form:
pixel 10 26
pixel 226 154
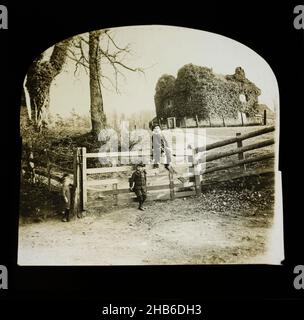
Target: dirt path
pixel 167 232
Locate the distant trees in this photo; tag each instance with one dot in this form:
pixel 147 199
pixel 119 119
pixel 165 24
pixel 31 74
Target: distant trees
pixel 135 120
pixel 199 91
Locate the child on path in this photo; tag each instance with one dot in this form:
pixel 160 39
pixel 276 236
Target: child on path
pixel 138 184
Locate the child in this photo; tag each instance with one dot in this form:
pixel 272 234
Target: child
pixel 67 184
pixel 138 184
pixel 160 145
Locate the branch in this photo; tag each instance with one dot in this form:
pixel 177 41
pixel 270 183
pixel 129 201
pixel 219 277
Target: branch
pixel 73 53
pixel 78 61
pixel 109 80
pixel 84 40
pixel 116 79
pixel 113 61
pixel 128 68
pixel 114 43
pixel 82 53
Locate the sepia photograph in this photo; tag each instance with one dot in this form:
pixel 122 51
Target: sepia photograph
pixel 149 145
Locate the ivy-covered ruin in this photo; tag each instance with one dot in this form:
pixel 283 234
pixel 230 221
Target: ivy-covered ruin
pixel 198 91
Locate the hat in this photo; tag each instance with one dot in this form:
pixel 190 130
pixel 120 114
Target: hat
pixel 140 165
pixel 154 126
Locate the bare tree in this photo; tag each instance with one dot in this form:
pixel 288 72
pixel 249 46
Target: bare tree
pixel 91 52
pixel 39 78
pixel 98 117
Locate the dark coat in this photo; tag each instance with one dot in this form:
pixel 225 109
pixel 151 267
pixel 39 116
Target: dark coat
pixel 139 179
pixel 67 186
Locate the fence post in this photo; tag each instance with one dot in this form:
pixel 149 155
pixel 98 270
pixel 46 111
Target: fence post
pixel 171 185
pixel 197 173
pixel 196 119
pixel 84 178
pixel 265 118
pixel 77 182
pixel 242 119
pixel 185 120
pixel 240 154
pixel 115 193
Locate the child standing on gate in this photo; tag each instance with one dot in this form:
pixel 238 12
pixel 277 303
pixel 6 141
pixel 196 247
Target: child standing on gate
pixel 138 184
pixel 67 184
pixel 160 145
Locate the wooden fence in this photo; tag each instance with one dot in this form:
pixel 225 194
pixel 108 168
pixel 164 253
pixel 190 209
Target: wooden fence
pixel 46 165
pixel 163 184
pixel 113 181
pixel 195 122
pixel 209 157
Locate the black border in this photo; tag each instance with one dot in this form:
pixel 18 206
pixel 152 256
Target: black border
pixel 267 30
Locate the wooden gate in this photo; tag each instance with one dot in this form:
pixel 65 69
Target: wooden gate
pixel 113 181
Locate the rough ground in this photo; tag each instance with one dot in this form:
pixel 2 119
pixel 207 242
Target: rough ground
pixel 225 225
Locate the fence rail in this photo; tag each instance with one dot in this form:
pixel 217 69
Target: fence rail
pixel 240 162
pixel 160 182
pixel 240 150
pixel 235 139
pixel 249 147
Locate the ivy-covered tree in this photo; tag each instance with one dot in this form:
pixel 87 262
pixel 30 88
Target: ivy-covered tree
pixel 190 85
pixel 164 90
pixel 38 82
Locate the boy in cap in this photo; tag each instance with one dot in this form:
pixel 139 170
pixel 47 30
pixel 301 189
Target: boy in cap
pixel 138 184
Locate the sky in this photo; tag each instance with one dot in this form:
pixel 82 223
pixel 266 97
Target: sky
pixel 161 50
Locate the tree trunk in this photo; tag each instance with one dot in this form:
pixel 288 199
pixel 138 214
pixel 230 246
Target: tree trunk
pixel 98 117
pixel 39 78
pixel 24 115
